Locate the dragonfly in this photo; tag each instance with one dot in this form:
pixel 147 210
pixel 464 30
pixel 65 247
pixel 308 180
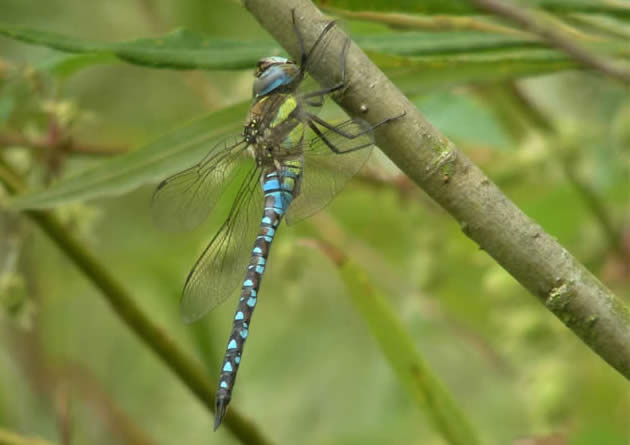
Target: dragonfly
pixel 287 162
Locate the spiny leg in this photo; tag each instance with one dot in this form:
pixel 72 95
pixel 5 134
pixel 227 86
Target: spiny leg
pixel 320 94
pixel 305 56
pixel 332 146
pixel 314 119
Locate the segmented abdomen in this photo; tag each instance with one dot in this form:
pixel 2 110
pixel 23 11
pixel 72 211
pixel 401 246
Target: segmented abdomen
pixel 279 188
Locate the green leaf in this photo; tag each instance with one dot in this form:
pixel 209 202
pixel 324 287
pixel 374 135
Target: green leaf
pixel 474 45
pixel 7 104
pixel 464 119
pixel 423 7
pixel 156 160
pixel 423 74
pixel 400 351
pixel 184 49
pixel 181 49
pixel 465 7
pixel 423 43
pixel 65 65
pixel 421 61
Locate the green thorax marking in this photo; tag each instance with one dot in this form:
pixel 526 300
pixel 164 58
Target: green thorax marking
pixel 296 134
pixel 270 127
pixel 285 109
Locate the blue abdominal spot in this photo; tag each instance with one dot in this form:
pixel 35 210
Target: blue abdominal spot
pixel 271 184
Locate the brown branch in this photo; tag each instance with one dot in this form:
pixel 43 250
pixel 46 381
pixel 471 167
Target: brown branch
pixel 555 38
pixel 486 215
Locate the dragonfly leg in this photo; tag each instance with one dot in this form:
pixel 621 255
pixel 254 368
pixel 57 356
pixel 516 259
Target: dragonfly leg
pixel 313 119
pixel 304 55
pixel 332 146
pixel 316 98
pixel 347 135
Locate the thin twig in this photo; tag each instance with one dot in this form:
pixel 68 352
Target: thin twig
pixel 555 38
pixel 433 22
pixel 8 139
pixel 600 25
pixel 486 215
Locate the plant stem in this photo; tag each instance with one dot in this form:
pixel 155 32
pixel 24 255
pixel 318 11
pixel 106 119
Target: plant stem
pixel 434 23
pixel 189 371
pixel 555 38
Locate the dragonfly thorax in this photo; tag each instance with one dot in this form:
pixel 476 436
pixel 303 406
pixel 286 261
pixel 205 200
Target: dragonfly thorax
pixel 273 129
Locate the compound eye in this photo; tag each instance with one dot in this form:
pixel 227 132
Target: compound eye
pixel 275 76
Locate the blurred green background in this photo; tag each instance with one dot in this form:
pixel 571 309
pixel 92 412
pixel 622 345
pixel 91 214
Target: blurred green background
pixel 557 143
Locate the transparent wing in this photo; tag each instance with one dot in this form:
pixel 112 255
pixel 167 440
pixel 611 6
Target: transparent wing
pixel 184 200
pixel 326 172
pixel 222 265
pixel 320 58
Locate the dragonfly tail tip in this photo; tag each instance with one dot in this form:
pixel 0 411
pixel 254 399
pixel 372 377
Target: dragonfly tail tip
pixel 221 407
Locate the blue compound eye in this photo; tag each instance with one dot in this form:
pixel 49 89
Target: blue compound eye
pixel 273 73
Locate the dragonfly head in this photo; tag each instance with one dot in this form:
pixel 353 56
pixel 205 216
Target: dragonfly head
pixel 274 75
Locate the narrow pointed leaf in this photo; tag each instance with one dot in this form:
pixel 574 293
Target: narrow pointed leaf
pixel 148 164
pixel 464 7
pixel 180 49
pixel 428 53
pixel 412 371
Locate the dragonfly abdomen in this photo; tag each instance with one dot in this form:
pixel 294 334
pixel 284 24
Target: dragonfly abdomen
pixel 279 188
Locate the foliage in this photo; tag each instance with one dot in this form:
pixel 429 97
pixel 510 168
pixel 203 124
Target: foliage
pixel 553 136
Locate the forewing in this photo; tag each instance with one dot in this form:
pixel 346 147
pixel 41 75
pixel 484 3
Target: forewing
pixel 326 172
pixel 222 266
pixel 320 58
pixel 184 200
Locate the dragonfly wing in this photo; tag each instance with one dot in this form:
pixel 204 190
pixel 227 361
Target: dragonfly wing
pixel 184 200
pixel 318 57
pixel 326 172
pixel 222 265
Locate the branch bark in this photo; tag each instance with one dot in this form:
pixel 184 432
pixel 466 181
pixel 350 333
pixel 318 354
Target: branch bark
pixel 485 214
